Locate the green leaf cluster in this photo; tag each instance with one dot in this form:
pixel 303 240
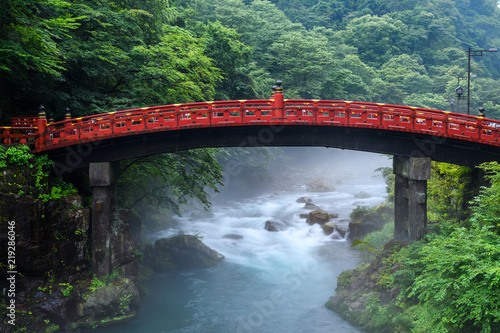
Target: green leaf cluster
pixel 43 185
pixel 455 281
pixel 449 192
pixel 169 180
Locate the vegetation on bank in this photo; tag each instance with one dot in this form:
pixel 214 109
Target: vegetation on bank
pixel 45 188
pixel 448 282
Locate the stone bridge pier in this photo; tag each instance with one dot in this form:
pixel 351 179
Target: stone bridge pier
pixel 410 204
pixel 102 178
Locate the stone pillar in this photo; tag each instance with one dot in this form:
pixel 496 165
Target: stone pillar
pixel 102 180
pixel 410 204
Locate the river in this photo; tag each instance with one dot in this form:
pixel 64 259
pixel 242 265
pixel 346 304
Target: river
pixel 269 282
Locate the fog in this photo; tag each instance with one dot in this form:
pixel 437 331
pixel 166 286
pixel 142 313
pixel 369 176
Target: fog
pixel 293 167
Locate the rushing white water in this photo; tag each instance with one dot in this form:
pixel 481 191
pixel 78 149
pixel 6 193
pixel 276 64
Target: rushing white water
pixel 269 281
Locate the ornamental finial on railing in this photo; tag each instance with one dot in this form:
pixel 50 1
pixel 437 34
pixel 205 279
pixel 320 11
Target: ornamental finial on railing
pixel 481 112
pixel 67 115
pixel 273 91
pixel 41 112
pixel 279 88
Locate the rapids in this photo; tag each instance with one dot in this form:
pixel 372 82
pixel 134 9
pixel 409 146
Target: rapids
pixel 269 282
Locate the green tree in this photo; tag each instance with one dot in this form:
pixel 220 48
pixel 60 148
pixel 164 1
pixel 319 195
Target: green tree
pixel 169 180
pixel 230 56
pixel 378 39
pixel 449 191
pixel 304 72
pixel 29 35
pixel 454 282
pixel 486 206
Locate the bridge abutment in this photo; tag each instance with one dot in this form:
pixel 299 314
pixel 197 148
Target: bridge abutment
pixel 410 204
pixel 102 178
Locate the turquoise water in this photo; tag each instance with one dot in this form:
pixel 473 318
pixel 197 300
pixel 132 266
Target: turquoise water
pixel 269 281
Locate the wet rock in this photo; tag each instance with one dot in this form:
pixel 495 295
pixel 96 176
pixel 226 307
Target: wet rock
pixel 232 236
pixel 110 303
pixel 333 215
pixel 106 299
pixel 310 206
pixel 329 228
pixel 275 226
pixel 303 216
pixel 365 224
pixel 303 200
pixel 180 252
pixel 362 195
pixel 319 216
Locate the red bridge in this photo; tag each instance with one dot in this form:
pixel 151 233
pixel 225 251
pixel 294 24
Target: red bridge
pixel 413 135
pixel 382 128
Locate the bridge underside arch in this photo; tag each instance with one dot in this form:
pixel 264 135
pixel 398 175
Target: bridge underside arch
pixel 400 143
pixel 410 191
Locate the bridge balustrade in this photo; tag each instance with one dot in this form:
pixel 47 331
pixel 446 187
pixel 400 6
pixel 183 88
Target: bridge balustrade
pixel 18 135
pixel 252 112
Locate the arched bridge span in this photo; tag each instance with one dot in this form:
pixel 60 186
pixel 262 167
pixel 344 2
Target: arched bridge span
pixel 380 128
pixel 413 135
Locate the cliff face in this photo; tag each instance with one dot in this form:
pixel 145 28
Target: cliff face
pixel 51 237
pixel 49 247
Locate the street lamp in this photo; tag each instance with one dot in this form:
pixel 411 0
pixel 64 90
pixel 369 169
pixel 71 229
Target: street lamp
pixel 452 103
pixel 474 53
pixel 459 92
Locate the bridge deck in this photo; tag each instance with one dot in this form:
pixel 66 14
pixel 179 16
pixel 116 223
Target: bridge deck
pixel 277 111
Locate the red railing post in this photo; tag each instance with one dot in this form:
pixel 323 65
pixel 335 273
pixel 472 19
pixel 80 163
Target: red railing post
pixel 41 124
pixel 279 102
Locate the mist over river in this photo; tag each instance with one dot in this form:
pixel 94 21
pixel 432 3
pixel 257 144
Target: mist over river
pixel 269 282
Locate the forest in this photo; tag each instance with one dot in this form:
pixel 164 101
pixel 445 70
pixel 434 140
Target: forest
pixel 99 56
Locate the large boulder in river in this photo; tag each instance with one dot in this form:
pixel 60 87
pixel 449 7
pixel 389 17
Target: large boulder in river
pixel 319 216
pixel 180 252
pixel 365 224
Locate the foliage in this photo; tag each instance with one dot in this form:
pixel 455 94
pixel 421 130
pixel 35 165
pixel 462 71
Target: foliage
pixel 388 176
pixel 359 211
pixel 449 191
pixel 29 35
pixel 455 279
pixel 168 180
pixel 17 155
pixel 99 56
pixel 67 290
pixel 486 206
pixel 41 166
pixel 450 281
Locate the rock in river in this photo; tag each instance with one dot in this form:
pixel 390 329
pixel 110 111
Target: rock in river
pixel 275 226
pixel 319 216
pixel 180 252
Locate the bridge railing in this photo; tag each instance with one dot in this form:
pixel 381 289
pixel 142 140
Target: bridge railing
pixel 251 112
